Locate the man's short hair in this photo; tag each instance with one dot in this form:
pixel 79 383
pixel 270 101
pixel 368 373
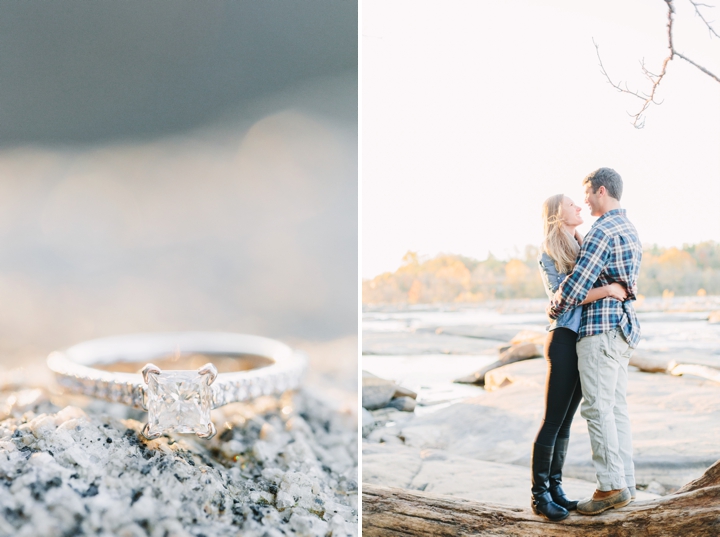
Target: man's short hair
pixel 608 178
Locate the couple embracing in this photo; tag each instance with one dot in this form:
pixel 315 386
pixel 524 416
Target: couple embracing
pixel 591 282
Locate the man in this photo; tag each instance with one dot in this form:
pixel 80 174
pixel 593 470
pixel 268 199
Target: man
pixel 609 331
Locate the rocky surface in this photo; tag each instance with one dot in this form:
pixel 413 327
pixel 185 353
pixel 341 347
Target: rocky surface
pixel 474 443
pixel 420 342
pixel 675 437
pixel 378 393
pixel 440 472
pixel 80 467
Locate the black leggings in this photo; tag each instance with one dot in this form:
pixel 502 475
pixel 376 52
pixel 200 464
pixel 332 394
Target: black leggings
pixel 562 389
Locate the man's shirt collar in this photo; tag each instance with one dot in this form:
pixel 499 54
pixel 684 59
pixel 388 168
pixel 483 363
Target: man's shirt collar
pixel 609 214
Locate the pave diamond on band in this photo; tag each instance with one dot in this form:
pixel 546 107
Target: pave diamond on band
pixel 179 400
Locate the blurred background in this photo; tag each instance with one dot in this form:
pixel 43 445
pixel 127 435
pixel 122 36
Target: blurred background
pixel 474 113
pixel 179 166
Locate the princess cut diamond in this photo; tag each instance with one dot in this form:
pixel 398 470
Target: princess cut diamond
pixel 178 401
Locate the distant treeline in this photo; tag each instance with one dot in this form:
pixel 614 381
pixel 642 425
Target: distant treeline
pixel 691 270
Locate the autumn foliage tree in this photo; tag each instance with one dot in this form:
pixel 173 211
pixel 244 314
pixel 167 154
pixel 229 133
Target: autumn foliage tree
pixel 690 270
pixel 454 278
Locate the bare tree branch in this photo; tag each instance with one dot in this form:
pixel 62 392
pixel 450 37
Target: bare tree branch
pixel 696 65
pixel 647 98
pixel 655 79
pixel 697 6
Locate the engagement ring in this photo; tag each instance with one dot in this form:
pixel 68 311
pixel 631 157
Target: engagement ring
pixel 185 375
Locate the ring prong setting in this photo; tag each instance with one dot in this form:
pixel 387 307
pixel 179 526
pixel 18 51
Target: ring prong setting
pixel 147 435
pixel 212 431
pixel 150 369
pixel 210 370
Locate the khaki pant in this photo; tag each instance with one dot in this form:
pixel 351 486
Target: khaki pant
pixel 603 363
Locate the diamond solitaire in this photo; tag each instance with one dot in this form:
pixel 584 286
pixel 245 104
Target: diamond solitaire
pixel 179 399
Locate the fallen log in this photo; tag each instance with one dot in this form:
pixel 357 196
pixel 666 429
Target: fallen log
pixel 516 353
pixel 710 478
pixel 526 351
pixel 659 364
pixel 529 336
pixel 703 371
pixel 693 510
pixel 652 364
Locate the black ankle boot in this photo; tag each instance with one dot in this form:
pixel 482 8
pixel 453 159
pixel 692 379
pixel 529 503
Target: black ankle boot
pixel 543 505
pixel 542 502
pixel 555 478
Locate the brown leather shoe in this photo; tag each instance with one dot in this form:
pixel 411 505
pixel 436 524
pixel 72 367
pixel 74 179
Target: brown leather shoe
pixel 594 506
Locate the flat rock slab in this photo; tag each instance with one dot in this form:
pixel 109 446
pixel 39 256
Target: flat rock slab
pixel 674 424
pixel 276 467
pixel 378 396
pixel 440 472
pixel 492 333
pixel 425 342
pixel 380 393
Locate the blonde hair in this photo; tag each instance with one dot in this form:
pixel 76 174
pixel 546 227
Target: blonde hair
pixel 558 244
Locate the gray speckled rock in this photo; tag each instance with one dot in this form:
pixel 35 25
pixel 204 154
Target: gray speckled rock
pixel 368 422
pixel 374 397
pixel 285 467
pixel 406 404
pixel 380 393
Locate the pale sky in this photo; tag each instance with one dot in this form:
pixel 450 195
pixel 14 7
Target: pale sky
pixel 473 113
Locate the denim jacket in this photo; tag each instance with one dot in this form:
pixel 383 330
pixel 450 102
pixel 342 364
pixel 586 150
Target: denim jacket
pixel 552 280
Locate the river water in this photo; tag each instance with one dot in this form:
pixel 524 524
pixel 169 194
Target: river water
pixel 677 328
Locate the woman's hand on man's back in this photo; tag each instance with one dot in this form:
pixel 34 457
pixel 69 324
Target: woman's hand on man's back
pixel 617 291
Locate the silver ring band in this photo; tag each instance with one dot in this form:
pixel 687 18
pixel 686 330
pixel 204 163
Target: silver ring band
pixel 101 368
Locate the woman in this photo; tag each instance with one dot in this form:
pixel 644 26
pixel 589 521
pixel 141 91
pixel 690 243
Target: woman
pixel 562 389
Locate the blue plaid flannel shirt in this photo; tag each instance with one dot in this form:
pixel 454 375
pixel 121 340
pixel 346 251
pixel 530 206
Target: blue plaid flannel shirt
pixel 611 252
